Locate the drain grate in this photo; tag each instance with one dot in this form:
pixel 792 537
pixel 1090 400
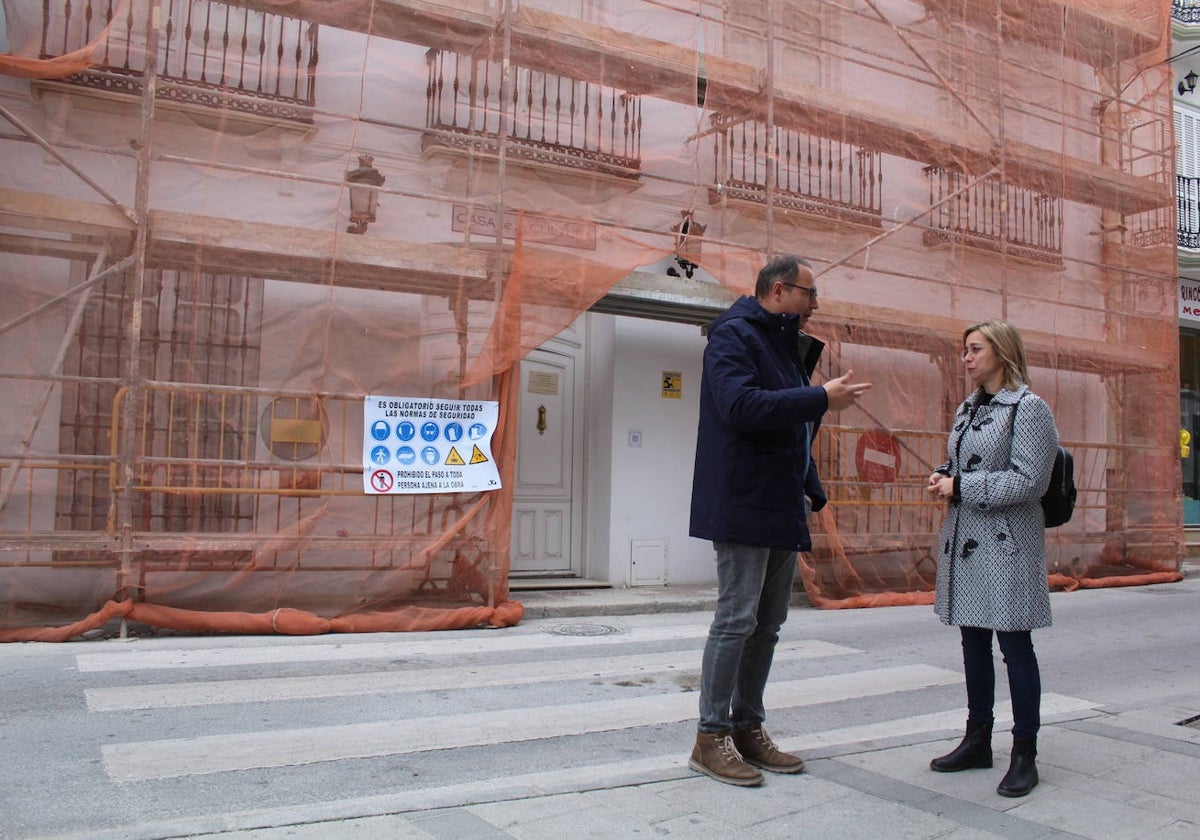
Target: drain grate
pixel 1193 722
pixel 585 629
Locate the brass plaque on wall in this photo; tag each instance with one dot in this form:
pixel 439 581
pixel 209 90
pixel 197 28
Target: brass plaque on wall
pixel 542 382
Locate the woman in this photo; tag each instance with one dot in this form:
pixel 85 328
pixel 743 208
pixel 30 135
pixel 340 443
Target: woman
pixel 991 572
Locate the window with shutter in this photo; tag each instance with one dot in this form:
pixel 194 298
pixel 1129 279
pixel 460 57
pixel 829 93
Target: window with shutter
pixel 1187 138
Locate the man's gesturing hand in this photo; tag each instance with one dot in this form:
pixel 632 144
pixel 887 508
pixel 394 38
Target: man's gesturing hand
pixel 843 393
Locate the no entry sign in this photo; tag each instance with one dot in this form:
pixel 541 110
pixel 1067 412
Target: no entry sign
pixel 877 457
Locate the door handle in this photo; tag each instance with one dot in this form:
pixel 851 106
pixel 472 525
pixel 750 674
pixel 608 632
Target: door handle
pixel 541 421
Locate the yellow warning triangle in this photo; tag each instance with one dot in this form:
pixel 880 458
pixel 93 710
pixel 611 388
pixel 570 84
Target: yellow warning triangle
pixel 477 457
pixel 454 458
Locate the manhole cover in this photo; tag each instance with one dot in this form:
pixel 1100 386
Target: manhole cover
pixel 585 629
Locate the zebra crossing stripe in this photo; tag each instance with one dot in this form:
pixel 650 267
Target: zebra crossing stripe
pixel 276 651
pixel 1052 705
pixel 162 759
pixel 407 680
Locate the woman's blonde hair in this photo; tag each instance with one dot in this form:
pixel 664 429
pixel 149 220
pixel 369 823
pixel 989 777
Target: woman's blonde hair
pixel 1007 343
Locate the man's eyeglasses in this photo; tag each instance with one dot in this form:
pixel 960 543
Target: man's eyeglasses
pixel 812 290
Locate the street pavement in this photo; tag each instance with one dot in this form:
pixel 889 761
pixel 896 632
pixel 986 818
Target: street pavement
pixel 577 724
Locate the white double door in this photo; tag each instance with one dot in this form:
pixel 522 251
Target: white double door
pixel 547 538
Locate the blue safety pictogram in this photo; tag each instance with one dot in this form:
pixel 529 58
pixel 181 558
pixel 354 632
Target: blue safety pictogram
pixel 477 431
pixel 430 455
pixel 380 455
pixel 380 430
pixel 405 430
pixel 430 431
pixel 406 455
pixel 453 432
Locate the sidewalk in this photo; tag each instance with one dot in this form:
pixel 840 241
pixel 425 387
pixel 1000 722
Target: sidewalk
pixel 640 600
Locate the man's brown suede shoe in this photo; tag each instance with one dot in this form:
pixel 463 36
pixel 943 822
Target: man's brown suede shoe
pixel 758 749
pixel 715 755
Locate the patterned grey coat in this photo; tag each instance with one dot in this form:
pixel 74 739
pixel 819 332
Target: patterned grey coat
pixel 992 557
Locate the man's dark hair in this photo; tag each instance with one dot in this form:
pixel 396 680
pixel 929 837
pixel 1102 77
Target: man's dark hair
pixel 784 268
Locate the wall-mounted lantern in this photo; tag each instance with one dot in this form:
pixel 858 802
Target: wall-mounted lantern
pixel 688 240
pixel 1188 83
pixel 363 199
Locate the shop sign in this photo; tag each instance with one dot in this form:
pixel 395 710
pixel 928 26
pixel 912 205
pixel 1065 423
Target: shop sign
pixel 1189 300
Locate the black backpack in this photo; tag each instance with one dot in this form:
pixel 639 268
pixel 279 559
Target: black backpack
pixel 1058 503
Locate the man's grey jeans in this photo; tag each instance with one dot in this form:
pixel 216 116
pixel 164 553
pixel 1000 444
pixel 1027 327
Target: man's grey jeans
pixel 754 589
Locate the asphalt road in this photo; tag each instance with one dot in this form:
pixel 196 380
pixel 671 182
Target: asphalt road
pixel 121 736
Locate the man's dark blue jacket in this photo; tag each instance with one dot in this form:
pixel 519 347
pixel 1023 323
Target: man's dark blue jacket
pixel 758 416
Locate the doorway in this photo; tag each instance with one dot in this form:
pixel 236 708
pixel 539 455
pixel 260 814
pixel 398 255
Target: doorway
pixel 547 534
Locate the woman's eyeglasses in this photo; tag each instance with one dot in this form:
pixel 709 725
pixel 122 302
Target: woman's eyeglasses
pixel 972 350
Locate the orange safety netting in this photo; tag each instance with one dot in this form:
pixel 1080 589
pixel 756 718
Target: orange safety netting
pixel 225 224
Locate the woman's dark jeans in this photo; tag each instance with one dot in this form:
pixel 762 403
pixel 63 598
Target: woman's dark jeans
pixel 1024 679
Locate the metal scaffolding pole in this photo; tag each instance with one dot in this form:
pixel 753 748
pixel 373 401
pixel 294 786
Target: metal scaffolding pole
pixel 126 454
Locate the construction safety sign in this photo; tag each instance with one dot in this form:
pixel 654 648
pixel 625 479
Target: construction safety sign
pixel 428 445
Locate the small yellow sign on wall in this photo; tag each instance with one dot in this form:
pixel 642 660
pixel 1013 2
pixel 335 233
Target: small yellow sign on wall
pixel 672 384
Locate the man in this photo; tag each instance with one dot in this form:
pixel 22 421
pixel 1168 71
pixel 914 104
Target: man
pixel 758 417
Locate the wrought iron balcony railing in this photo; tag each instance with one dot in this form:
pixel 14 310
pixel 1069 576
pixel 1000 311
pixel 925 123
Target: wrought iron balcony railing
pixel 811 174
pixel 552 119
pixel 1187 211
pixel 993 216
pixel 1186 11
pixel 206 51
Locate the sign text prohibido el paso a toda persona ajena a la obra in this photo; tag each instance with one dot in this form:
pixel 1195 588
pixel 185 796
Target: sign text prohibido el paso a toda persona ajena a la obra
pixel 428 445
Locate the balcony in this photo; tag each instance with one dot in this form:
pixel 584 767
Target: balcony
pixel 210 54
pixel 993 216
pixel 1153 228
pixel 1187 212
pixel 812 175
pixel 1186 11
pixel 552 120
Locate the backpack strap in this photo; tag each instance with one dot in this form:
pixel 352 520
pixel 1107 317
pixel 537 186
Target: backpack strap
pixel 1012 426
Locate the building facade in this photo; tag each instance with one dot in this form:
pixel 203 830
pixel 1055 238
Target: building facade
pixel 225 226
pixel 1185 42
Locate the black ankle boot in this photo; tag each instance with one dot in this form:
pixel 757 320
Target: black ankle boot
pixel 975 750
pixel 1022 775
